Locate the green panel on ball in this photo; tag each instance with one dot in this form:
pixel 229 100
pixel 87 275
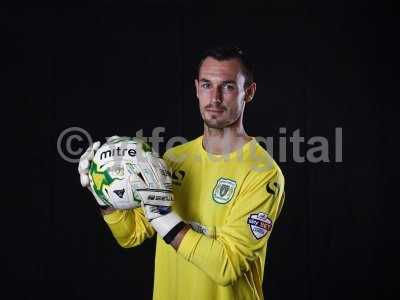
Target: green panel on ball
pixel 100 180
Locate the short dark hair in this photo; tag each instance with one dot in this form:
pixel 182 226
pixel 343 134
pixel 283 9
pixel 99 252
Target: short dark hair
pixel 226 52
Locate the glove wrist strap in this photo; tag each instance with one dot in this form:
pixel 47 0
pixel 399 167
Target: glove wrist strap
pixel 170 236
pixel 167 223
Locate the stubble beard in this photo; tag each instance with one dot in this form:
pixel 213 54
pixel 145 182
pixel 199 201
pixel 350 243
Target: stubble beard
pixel 214 123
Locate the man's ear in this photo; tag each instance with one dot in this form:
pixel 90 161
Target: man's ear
pixel 196 83
pixel 250 92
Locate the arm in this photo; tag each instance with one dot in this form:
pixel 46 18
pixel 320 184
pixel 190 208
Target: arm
pixel 129 227
pixel 229 255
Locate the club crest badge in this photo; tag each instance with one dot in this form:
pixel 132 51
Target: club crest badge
pixel 259 224
pixel 224 190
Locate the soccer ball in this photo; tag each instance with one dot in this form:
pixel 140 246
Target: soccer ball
pixel 111 168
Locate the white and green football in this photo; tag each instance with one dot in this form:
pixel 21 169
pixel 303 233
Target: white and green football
pixel 111 169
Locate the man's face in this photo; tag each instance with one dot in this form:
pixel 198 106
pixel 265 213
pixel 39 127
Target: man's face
pixel 220 90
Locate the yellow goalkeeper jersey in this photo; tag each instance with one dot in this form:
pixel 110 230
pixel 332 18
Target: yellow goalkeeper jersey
pixel 231 202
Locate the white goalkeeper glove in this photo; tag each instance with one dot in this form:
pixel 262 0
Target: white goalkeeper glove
pixel 84 165
pixel 153 184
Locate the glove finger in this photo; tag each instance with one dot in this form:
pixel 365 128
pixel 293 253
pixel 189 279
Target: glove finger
pixel 165 174
pixel 162 163
pixel 163 198
pixel 161 172
pixel 90 151
pixel 158 203
pixel 83 166
pixel 111 138
pixel 87 157
pixel 84 180
pixel 96 146
pixel 90 155
pixel 155 168
pixel 146 171
pixel 136 182
pixel 153 212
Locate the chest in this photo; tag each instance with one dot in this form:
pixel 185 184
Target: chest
pixel 205 193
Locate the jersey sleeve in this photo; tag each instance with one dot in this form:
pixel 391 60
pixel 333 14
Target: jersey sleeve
pixel 245 233
pixel 129 227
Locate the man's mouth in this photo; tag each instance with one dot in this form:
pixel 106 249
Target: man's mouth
pixel 215 110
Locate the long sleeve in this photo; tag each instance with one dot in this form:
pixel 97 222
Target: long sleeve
pixel 129 227
pixel 244 234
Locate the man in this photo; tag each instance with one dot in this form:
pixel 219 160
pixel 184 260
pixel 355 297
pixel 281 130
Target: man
pixel 228 192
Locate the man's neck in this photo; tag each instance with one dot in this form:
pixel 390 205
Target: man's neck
pixel 225 140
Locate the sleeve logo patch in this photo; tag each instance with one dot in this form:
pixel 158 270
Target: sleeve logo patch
pixel 259 224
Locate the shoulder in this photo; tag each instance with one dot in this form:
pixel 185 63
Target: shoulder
pixel 178 153
pixel 261 166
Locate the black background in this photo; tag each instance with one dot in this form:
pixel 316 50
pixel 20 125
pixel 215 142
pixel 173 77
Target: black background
pixel 114 69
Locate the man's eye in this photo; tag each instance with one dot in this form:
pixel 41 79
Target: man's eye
pixel 229 87
pixel 205 85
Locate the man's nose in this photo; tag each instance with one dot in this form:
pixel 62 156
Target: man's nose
pixel 216 95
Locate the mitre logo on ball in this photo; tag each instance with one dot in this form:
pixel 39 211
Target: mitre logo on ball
pixel 117 152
